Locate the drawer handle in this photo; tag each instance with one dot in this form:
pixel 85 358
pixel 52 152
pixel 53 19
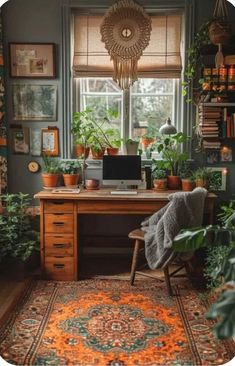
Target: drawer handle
pixel 58 223
pixel 58 265
pixel 58 203
pixel 59 245
pixel 58 214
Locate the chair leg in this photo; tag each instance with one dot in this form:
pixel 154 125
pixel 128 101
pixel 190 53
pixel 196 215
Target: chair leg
pixel 168 282
pixel 134 261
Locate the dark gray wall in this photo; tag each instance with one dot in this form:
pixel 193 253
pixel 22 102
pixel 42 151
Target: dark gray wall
pixel 41 21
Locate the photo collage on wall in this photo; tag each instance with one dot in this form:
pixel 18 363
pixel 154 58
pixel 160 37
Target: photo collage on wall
pixel 33 102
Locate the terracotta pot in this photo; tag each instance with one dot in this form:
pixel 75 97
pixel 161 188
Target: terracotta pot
pixel 173 182
pixel 92 184
pixel 146 142
pixel 97 154
pixel 50 180
pixel 201 183
pixel 112 150
pixel 71 180
pixel 220 32
pixel 160 184
pixel 187 185
pixel 79 151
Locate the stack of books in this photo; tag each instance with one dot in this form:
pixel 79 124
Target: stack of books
pixel 228 124
pixel 209 126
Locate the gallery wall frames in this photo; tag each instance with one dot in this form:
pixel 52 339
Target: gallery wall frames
pixel 33 102
pixel 20 140
pixel 50 141
pixel 32 60
pixel 35 141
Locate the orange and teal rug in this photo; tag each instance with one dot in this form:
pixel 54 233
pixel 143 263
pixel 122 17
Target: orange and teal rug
pixel 110 323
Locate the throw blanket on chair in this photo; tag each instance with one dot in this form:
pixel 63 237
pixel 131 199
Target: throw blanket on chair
pixel 184 210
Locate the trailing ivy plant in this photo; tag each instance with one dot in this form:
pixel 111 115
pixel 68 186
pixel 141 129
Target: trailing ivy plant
pixel 17 237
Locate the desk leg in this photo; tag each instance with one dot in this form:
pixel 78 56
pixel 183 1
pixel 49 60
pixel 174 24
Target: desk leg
pixel 42 244
pixel 75 240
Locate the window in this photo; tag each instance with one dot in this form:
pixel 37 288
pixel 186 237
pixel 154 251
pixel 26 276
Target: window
pixel 147 104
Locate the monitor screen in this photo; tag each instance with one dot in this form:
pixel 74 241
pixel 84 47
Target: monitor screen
pixel 122 169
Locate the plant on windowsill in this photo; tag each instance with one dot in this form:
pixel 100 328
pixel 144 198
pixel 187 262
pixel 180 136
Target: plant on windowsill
pixel 159 175
pixel 149 137
pixel 82 130
pixel 170 149
pixel 70 170
pixel 131 146
pixel 17 237
pixel 50 171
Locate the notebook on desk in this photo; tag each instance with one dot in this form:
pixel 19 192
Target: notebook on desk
pixel 66 190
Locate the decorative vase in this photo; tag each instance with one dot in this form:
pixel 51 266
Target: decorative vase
pixel 112 150
pixel 168 128
pixel 92 184
pixel 50 180
pixel 187 185
pixel 79 151
pixel 173 182
pixel 132 147
pixel 71 180
pixel 160 184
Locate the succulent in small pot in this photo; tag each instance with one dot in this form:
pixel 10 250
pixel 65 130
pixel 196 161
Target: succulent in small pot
pixel 187 178
pixel 70 170
pixel 50 171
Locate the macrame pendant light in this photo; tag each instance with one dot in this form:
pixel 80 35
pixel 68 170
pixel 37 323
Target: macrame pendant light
pixel 125 30
pixel 220 30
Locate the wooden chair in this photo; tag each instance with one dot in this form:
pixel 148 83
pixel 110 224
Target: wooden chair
pixel 138 236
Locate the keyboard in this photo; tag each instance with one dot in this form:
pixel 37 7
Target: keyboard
pixel 125 193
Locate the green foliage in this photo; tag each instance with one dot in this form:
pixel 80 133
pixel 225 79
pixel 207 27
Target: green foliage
pixel 70 166
pixel 82 127
pixel 202 173
pixel 17 238
pixel 171 150
pixel 158 169
pixel 51 165
pixel 220 241
pixel 185 171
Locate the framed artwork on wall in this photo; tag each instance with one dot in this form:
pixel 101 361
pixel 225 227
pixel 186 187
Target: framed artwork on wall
pixel 219 177
pixel 50 141
pixel 32 60
pixel 33 102
pixel 20 140
pixel 35 141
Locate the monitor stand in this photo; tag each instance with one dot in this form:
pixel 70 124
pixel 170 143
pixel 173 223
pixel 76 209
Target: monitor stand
pixel 123 190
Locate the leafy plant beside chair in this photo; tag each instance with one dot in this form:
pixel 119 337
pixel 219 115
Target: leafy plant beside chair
pixel 224 266
pixel 17 237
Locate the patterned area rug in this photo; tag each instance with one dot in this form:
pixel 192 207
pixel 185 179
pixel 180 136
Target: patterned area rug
pixel 107 322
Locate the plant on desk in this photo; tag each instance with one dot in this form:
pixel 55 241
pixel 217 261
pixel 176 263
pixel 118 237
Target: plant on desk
pixel 187 177
pixel 50 171
pixel 202 177
pixel 70 170
pixel 170 149
pixel 159 175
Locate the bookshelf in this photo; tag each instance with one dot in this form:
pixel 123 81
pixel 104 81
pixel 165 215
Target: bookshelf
pixel 216 122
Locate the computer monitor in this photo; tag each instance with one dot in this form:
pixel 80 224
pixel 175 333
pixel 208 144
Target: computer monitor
pixel 121 170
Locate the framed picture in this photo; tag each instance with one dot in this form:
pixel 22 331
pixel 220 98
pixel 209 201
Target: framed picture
pixel 32 102
pixel 32 60
pixel 50 141
pixel 35 141
pixel 226 154
pixel 213 157
pixel 20 140
pixel 219 178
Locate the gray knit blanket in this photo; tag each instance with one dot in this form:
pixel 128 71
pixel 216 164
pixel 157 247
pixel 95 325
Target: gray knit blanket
pixel 184 210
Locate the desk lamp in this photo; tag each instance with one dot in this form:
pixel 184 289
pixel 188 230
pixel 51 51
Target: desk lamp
pixel 168 128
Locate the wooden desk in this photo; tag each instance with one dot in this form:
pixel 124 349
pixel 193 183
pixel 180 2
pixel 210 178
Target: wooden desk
pixel 59 215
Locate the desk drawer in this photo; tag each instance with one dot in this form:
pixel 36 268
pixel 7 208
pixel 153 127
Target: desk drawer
pixel 61 269
pixel 59 223
pixel 59 245
pixel 54 206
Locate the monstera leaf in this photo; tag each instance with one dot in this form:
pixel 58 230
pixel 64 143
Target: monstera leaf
pixel 224 308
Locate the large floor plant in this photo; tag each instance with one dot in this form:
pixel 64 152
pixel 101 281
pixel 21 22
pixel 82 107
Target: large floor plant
pixel 18 239
pixel 217 236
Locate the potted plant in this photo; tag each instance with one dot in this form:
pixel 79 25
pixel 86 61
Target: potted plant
pixel 113 141
pixel 202 177
pixel 97 147
pixel 18 239
pixel 170 150
pixel 159 175
pixel 50 171
pixel 131 146
pixel 82 130
pixel 70 170
pixel 187 178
